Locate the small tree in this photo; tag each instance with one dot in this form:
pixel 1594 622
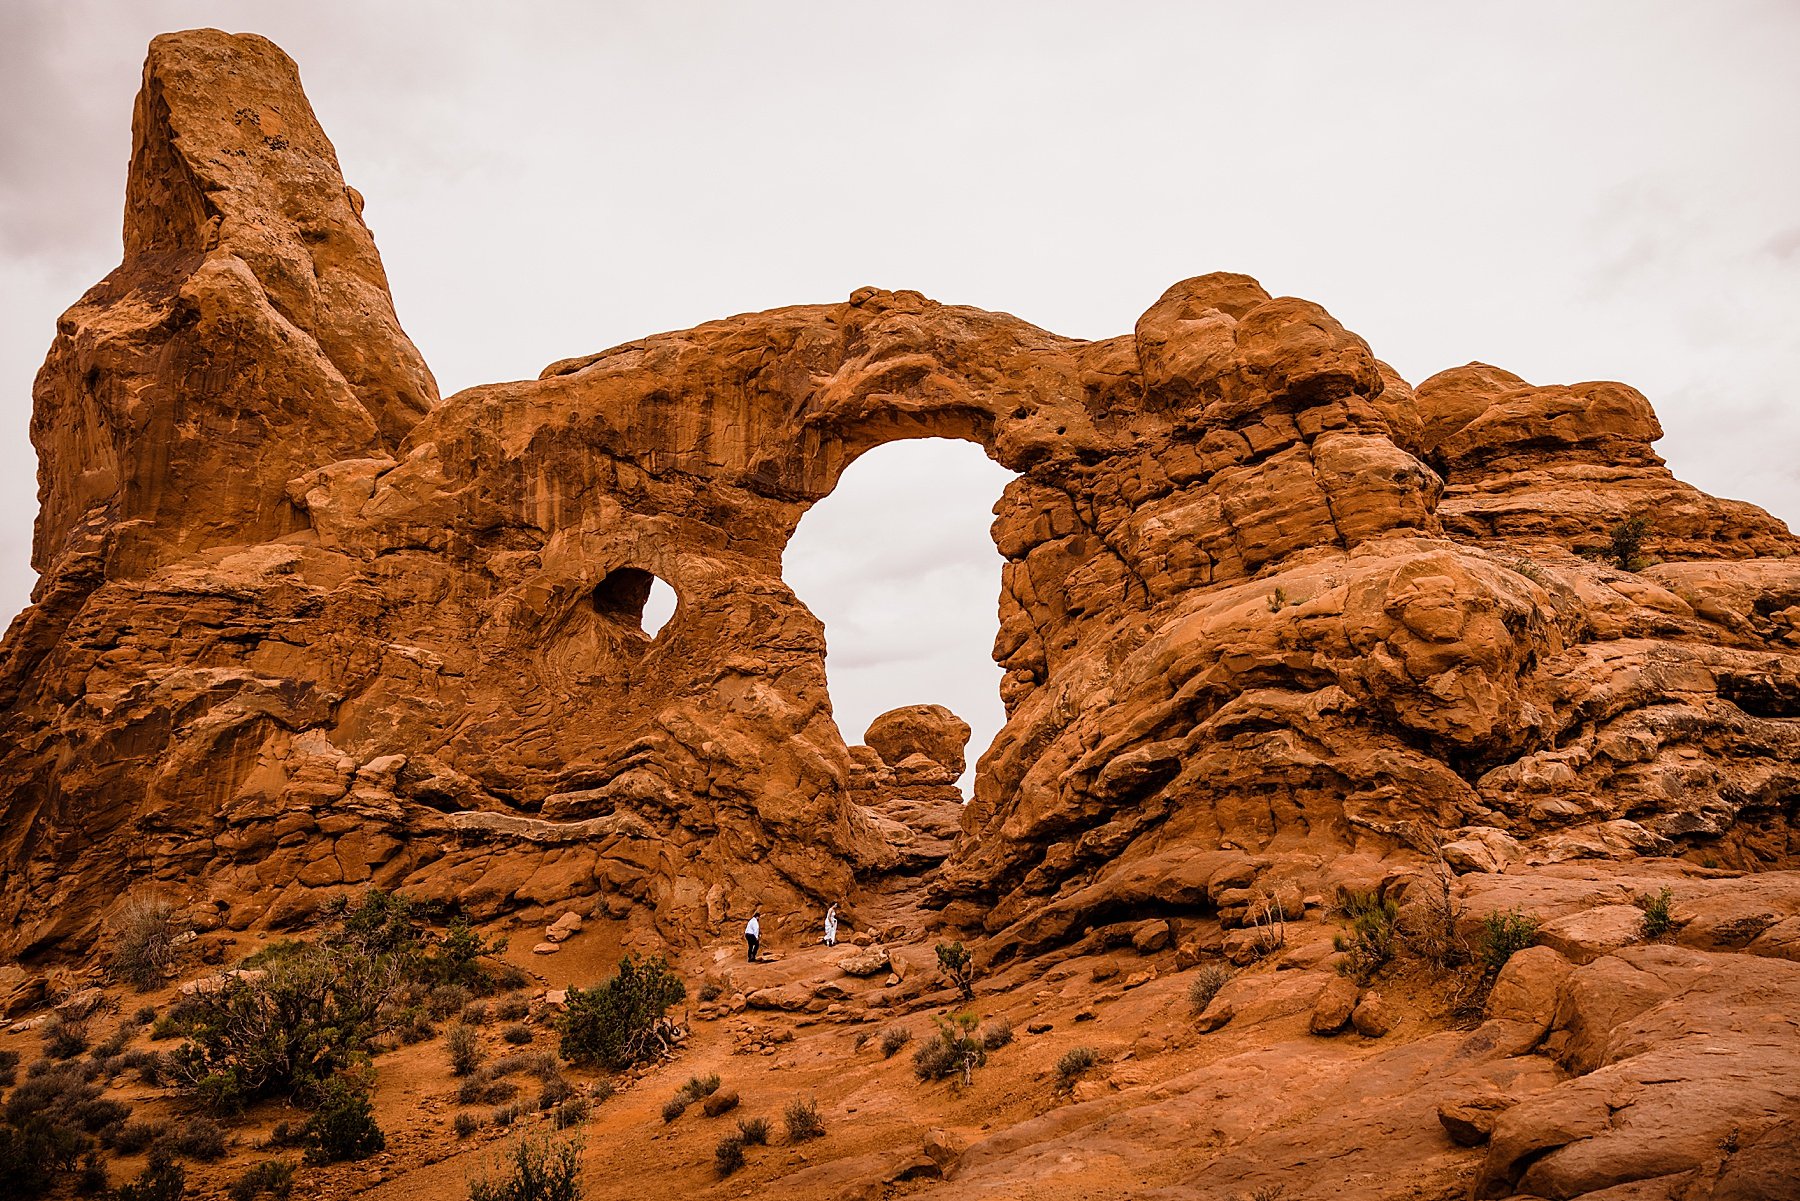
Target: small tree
pixel 343 1126
pixel 957 1050
pixel 1370 943
pixel 1503 934
pixel 621 1021
pixel 955 962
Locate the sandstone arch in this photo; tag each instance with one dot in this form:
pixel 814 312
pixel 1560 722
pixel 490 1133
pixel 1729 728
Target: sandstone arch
pixel 1234 617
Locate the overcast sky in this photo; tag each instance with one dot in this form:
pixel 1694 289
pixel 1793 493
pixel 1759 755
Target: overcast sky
pixel 1569 190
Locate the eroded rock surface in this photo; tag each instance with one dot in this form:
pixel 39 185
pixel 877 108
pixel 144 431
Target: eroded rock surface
pixel 1267 611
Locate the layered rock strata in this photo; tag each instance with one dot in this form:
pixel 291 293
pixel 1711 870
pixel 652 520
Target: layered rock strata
pixel 302 625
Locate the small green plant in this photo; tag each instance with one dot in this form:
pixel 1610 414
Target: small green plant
pixel 728 1156
pixel 1657 919
pixel 956 1050
pixel 702 1086
pixel 754 1130
pixel 1075 1062
pixel 1370 943
pixel 145 944
pixel 803 1121
pixel 1625 546
pixel 270 1178
pixel 343 1126
pixel 1206 985
pixel 622 1021
pixel 892 1039
pixel 958 966
pixel 533 1169
pixel 1504 933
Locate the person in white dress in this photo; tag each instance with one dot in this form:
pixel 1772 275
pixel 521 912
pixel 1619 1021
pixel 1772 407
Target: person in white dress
pixel 831 926
pixel 752 934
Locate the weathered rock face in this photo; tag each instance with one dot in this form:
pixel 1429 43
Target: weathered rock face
pixel 300 625
pixel 905 779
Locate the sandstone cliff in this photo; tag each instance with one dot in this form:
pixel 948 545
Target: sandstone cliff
pixel 303 625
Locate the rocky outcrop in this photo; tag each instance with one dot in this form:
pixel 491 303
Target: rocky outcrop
pixel 904 778
pixel 303 626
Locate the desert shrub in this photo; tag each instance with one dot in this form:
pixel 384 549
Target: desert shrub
pixel 600 1091
pixel 955 1050
pixel 133 1136
pixel 456 960
pixel 9 1068
pixel 196 1138
pixel 699 1087
pixel 1428 927
pixel 62 1096
pixel 803 1121
pixel 446 1000
pixel 754 1130
pixel 711 990
pixel 675 1106
pixel 1206 985
pixel 271 1178
pixel 728 1156
pixel 572 1112
pixel 145 1015
pixel 533 1169
pixel 996 1034
pixel 464 1049
pixel 511 1008
pixel 161 1180
pixel 621 1021
pixel 465 1124
pixel 148 1065
pixel 343 1126
pixel 166 1026
pixel 144 946
pixel 518 1034
pixel 892 1039
pixel 1657 919
pixel 1625 544
pixel 1369 945
pixel 958 966
pixel 485 1089
pixel 554 1092
pixel 1075 1062
pixel 65 1038
pixel 115 1044
pixel 90 1178
pixel 287 1032
pixel 505 1115
pixel 1502 934
pixel 475 1013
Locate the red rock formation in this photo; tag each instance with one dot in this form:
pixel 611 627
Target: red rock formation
pixel 302 626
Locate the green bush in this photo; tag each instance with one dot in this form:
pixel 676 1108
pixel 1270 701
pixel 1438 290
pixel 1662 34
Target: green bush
pixel 533 1169
pixel 343 1126
pixel 955 962
pixel 1657 919
pixel 621 1021
pixel 956 1050
pixel 1504 933
pixel 803 1121
pixel 1370 943
pixel 271 1177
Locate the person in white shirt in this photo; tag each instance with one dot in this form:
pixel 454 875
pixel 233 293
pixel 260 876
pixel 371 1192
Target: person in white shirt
pixel 752 934
pixel 831 926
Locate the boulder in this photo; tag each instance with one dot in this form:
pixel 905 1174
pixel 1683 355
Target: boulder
pixel 870 962
pixel 1332 1011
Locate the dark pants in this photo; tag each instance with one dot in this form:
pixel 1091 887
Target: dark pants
pixel 750 944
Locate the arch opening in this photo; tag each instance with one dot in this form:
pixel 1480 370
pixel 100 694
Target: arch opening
pixel 635 599
pixel 899 563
